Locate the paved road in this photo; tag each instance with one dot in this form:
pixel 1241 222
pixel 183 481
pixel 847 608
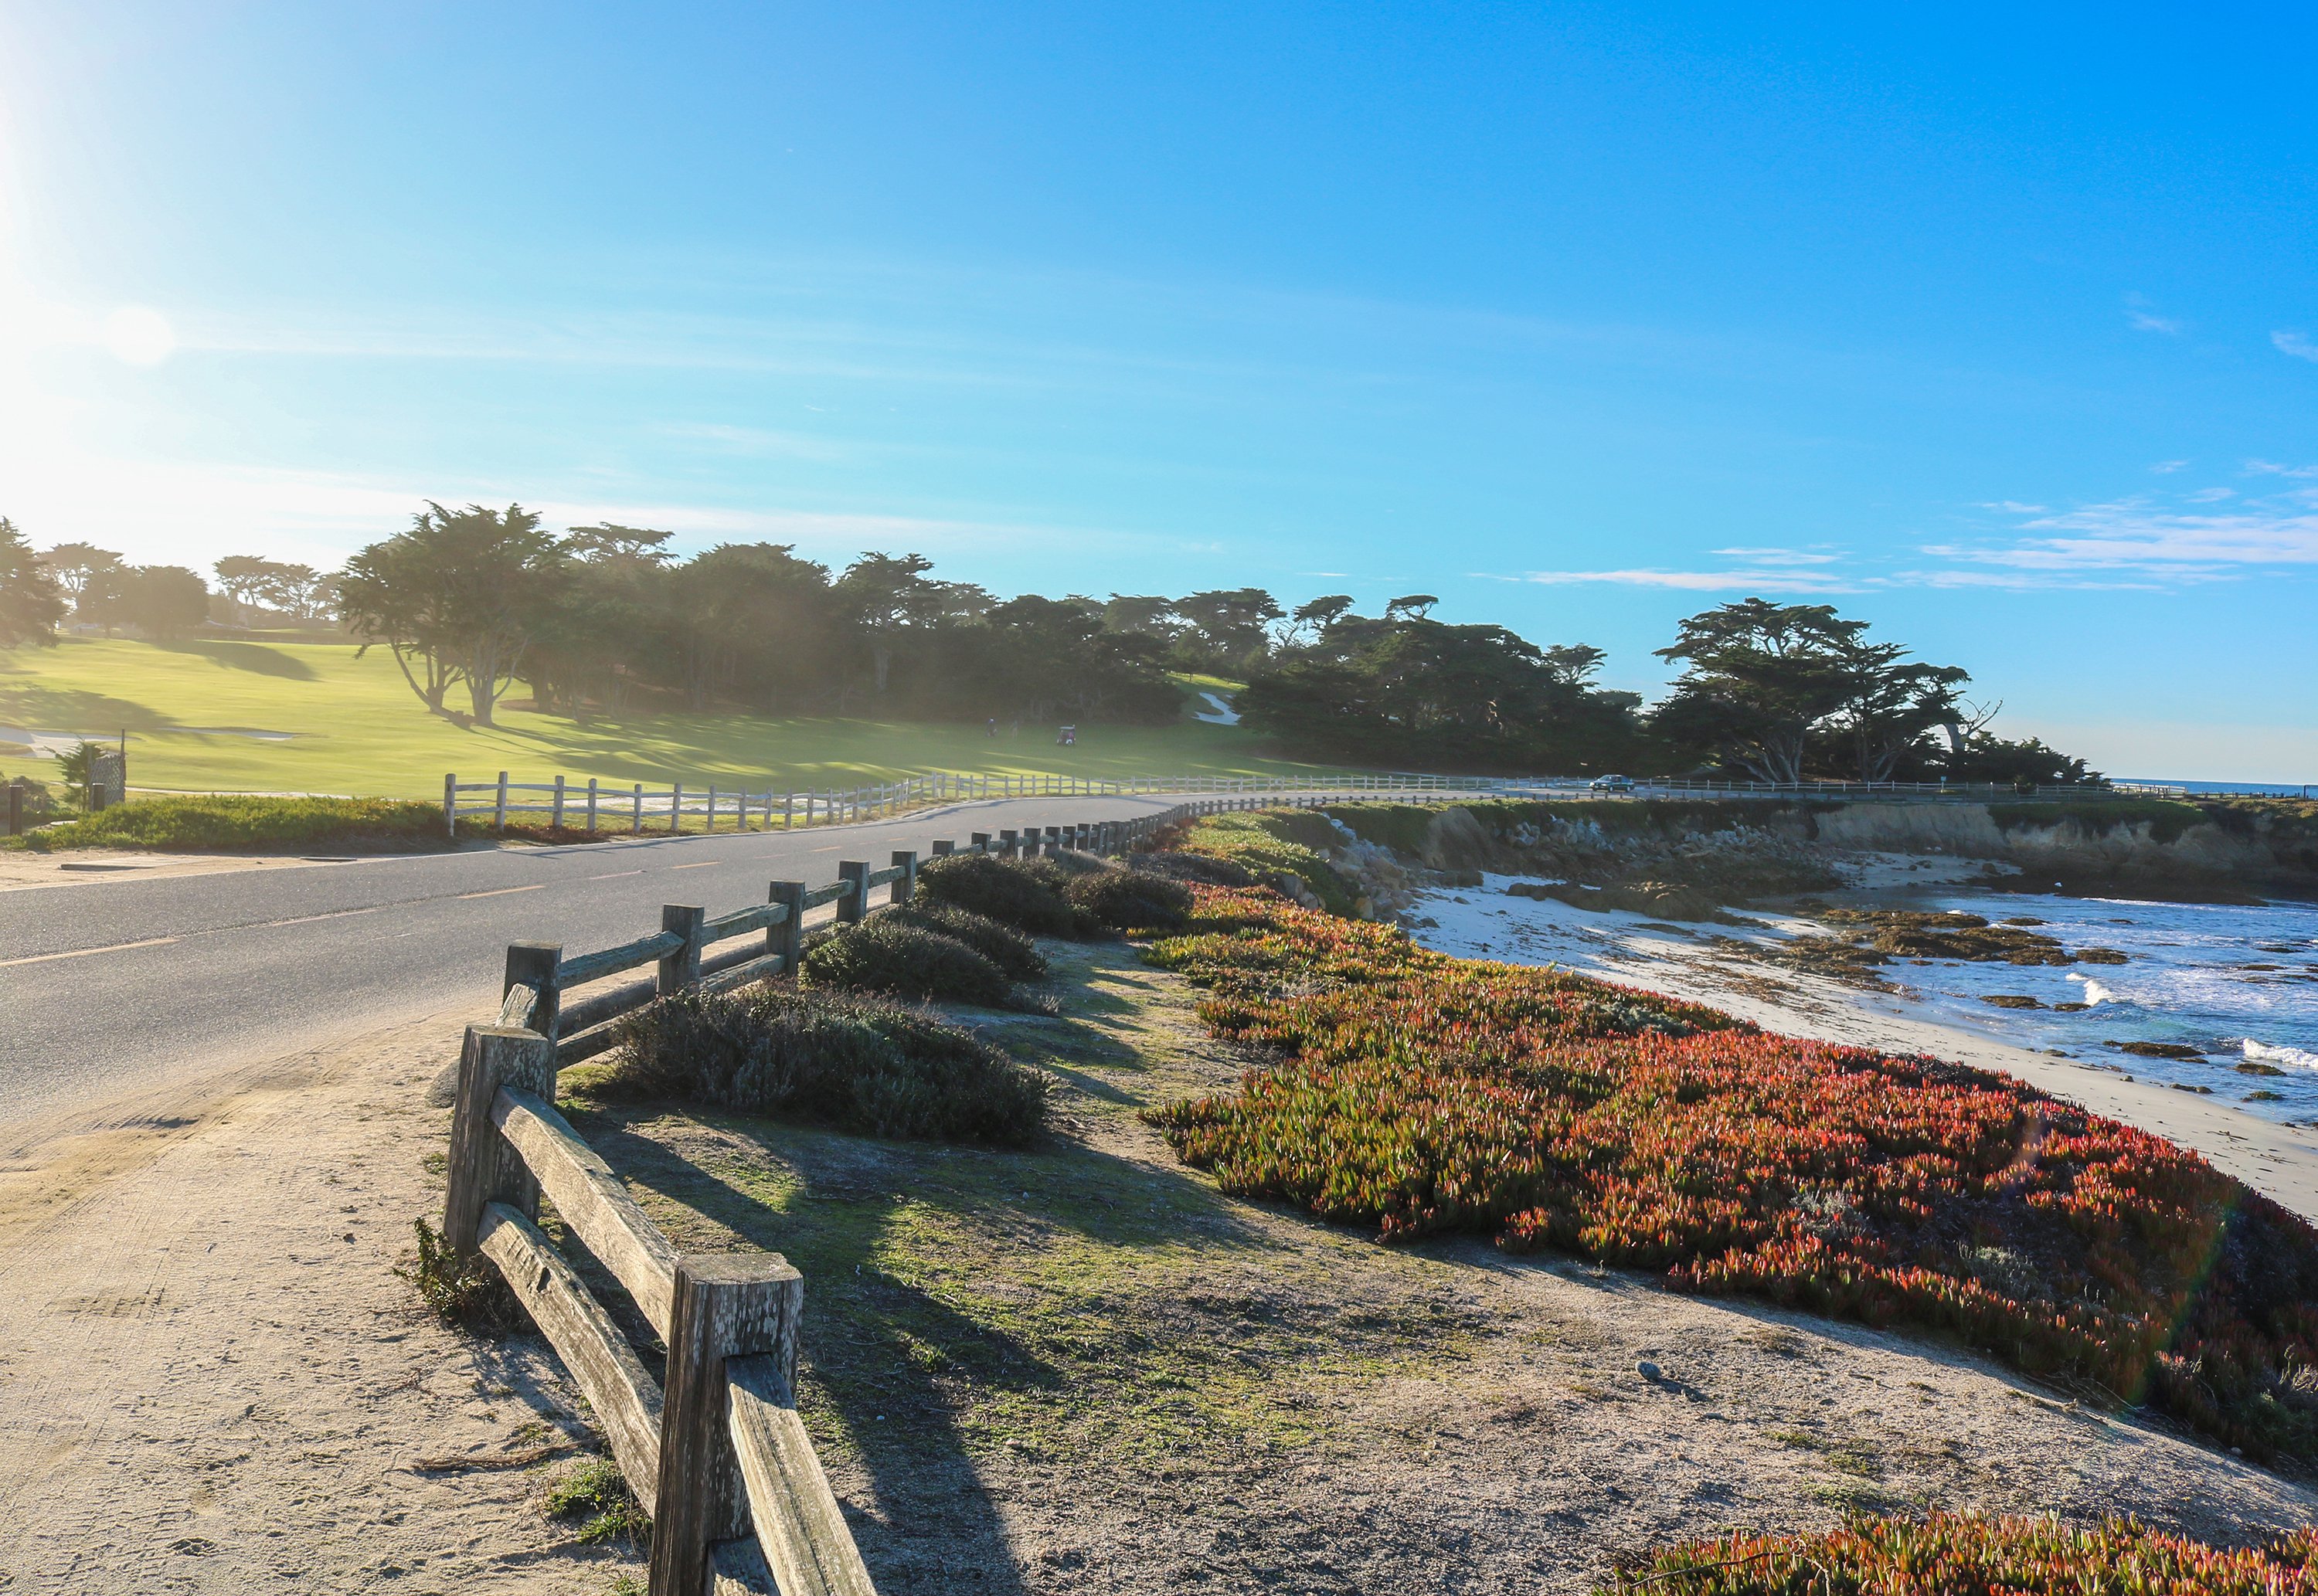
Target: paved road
pixel 112 986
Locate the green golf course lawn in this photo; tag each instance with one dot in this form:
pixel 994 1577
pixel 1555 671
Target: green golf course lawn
pixel 354 727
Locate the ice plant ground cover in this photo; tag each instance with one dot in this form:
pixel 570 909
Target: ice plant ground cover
pixel 1421 1093
pixel 1950 1555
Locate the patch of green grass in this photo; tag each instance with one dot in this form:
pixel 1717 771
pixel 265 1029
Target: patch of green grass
pixel 2166 818
pixel 1275 843
pixel 355 728
pixel 596 1496
pixel 230 823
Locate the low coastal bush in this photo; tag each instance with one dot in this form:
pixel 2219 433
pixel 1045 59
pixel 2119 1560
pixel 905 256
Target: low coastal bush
pixel 1272 845
pixel 1966 1554
pixel 856 1063
pixel 1131 900
pixel 1177 865
pixel 1420 1093
pixel 1016 957
pixel 883 955
pixel 1024 894
pixel 233 823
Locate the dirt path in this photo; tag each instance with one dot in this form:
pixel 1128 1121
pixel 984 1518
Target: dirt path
pixel 211 1379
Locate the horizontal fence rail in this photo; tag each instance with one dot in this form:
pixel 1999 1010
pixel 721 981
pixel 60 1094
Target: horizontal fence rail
pixel 596 808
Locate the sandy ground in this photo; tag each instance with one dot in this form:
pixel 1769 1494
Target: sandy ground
pixel 209 1379
pixel 1077 1368
pixel 2280 1161
pixel 78 866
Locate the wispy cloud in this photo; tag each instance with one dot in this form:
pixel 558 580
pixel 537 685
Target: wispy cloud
pixel 2013 507
pixel 2140 318
pixel 2166 467
pixel 1783 557
pixel 2141 539
pixel 1785 579
pixel 2296 345
pixel 2271 467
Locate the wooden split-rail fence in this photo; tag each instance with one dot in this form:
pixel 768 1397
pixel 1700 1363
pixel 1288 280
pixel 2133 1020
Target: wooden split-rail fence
pixel 716 1453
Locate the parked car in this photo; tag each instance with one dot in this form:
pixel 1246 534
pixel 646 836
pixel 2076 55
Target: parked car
pixel 1613 783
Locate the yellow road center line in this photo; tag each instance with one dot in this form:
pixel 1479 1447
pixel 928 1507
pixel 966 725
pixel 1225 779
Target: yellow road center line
pixel 83 952
pixel 502 891
pixel 697 865
pixel 616 876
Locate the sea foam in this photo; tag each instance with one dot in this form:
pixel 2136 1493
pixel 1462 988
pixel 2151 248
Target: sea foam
pixel 2292 1058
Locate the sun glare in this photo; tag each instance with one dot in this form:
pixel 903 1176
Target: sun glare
pixel 139 336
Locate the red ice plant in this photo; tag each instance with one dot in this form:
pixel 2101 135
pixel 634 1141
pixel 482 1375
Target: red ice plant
pixel 1422 1093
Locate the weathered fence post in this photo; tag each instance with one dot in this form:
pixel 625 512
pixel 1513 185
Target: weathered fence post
pixel 533 965
pixel 483 1168
pixel 1008 843
pixel 450 807
pixel 852 905
pixel 676 809
pixel 788 812
pixel 712 809
pixel 945 848
pixel 981 840
pixel 591 806
pixel 502 805
pixel 906 888
pixel 725 1305
pixel 681 968
pixel 556 822
pixel 786 938
pixel 639 830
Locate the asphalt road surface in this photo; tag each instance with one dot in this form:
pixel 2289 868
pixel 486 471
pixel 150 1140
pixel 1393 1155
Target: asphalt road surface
pixel 112 986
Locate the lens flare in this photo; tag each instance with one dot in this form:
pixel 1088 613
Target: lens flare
pixel 139 336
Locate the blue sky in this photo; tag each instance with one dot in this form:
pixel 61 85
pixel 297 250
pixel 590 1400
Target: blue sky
pixel 2000 330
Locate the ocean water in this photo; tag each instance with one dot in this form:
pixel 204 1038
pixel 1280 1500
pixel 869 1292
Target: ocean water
pixel 2239 984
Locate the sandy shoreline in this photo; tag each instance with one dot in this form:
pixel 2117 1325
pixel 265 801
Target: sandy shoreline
pixel 2281 1161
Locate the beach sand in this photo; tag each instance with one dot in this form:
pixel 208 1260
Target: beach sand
pixel 2281 1161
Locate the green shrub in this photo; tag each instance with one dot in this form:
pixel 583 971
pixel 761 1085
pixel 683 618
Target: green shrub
pixel 1132 899
pixel 1024 894
pixel 860 1063
pixel 1014 954
pixel 883 955
pixel 1202 868
pixel 231 822
pixel 1273 845
pixel 466 1292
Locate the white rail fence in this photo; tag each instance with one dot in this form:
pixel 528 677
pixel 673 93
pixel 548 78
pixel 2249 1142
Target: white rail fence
pixel 596 807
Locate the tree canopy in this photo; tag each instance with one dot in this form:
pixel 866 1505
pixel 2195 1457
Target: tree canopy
pixel 31 603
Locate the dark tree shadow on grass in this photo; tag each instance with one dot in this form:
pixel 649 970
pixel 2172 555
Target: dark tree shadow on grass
pixel 258 659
